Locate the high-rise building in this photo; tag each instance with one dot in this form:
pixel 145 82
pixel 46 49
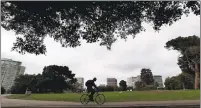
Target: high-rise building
pixel 112 82
pixel 9 71
pixel 159 80
pixel 80 81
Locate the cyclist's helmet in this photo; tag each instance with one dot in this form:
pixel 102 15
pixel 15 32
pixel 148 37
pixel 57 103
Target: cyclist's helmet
pixel 94 79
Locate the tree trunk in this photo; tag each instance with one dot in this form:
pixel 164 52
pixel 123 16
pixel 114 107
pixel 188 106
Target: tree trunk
pixel 196 76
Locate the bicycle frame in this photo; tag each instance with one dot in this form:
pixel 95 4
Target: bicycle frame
pixel 95 94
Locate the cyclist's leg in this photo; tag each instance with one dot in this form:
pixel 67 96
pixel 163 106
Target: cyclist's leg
pixel 89 89
pixel 92 94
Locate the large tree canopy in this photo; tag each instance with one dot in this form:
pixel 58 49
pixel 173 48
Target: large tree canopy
pixel 181 44
pixel 59 78
pixel 69 22
pixel 53 79
pixel 22 83
pixel 189 61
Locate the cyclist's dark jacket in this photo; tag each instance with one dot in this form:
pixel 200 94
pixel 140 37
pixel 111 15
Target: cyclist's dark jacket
pixel 90 84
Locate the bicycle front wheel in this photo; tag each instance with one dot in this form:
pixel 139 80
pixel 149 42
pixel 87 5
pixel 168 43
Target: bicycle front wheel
pixel 84 99
pixel 100 99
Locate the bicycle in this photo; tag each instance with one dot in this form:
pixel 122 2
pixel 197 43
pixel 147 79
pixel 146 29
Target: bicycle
pixel 84 99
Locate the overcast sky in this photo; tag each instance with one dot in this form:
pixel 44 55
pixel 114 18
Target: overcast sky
pixel 126 59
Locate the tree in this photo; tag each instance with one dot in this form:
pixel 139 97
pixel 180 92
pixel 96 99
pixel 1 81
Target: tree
pixel 101 88
pixel 3 90
pixel 123 85
pixel 186 80
pixel 44 85
pixel 70 22
pixel 139 85
pixel 167 83
pixel 172 83
pixel 146 76
pixel 21 84
pixel 53 79
pixel 58 78
pixel 193 59
pixel 109 88
pixel 156 85
pixel 190 54
pixel 183 80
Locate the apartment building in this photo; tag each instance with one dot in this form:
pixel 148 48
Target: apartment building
pixel 10 70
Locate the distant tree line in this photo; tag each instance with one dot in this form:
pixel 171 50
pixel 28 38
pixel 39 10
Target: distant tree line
pixel 181 81
pixel 55 79
pixel 146 83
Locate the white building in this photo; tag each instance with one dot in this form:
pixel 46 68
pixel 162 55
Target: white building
pixel 138 78
pixel 159 80
pixel 9 71
pixel 132 80
pixel 80 81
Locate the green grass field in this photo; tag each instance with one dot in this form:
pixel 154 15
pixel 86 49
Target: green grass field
pixel 119 97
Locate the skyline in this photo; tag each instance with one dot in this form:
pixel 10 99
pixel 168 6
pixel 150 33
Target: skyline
pixel 99 62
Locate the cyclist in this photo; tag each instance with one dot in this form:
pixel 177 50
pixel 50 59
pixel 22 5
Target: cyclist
pixel 90 84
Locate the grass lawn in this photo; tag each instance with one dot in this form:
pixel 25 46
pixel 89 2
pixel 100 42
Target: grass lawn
pixel 119 97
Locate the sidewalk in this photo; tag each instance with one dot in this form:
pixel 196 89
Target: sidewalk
pixel 15 103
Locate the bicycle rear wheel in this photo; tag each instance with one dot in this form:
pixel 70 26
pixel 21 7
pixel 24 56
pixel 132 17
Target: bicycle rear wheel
pixel 100 99
pixel 84 99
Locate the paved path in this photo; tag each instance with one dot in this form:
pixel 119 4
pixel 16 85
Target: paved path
pixel 15 103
